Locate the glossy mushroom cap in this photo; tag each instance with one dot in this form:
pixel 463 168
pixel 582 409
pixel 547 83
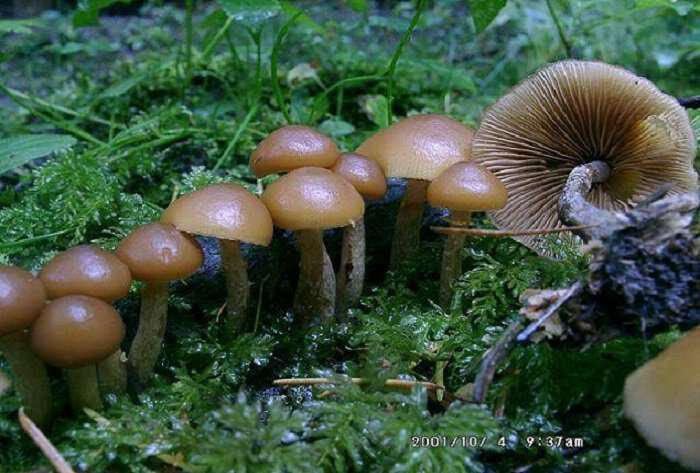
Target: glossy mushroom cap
pixel 573 112
pixel 467 187
pixel 22 297
pixel 86 270
pixel 159 252
pixel 76 331
pixel 419 147
pixel 292 147
pixel 662 399
pixel 225 211
pixel 363 173
pixel 313 199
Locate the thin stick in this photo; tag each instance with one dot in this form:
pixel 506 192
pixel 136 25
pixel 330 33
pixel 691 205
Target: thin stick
pixel 390 383
pixel 505 233
pixel 550 310
pixel 44 444
pixel 492 358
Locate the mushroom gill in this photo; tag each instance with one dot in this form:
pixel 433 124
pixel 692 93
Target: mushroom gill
pixel 575 112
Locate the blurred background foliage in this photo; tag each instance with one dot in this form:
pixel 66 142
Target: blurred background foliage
pixel 109 109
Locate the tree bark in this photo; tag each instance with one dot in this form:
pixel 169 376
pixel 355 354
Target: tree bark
pixel 315 294
pixel 406 240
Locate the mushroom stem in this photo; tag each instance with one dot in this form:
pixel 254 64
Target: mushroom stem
pixel 148 341
pixel 574 208
pixel 315 295
pixel 408 222
pixel 83 389
pixel 351 273
pixel 236 271
pixel 452 259
pixel 29 376
pixel 111 374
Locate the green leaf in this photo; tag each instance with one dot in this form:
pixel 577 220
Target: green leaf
pixel 375 107
pixel 19 26
pixel 88 11
pixel 251 12
pixel 360 6
pixel 484 11
pixel 681 7
pixel 290 10
pixel 336 128
pixel 19 150
pixel 120 88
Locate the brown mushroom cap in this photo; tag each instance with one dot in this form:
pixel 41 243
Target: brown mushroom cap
pixel 313 199
pixel 573 112
pixel 363 173
pixel 225 211
pixel 467 187
pixel 159 252
pixel 86 270
pixel 292 147
pixel 662 399
pixel 76 331
pixel 419 147
pixel 22 296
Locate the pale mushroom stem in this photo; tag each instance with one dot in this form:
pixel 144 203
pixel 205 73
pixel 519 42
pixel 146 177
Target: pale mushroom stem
pixel 408 223
pixel 83 389
pixel 236 272
pixel 452 259
pixel 315 295
pixel 148 341
pixel 351 273
pixel 30 379
pixel 111 374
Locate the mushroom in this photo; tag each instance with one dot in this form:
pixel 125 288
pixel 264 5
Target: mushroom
pixel 662 399
pixel 75 333
pixel 580 116
pixel 233 215
pixel 90 271
pixel 156 253
pixel 292 147
pixel 22 297
pixel 307 201
pixel 368 179
pixel 462 188
pixel 417 148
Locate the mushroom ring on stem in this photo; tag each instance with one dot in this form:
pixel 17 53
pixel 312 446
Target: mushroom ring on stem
pixel 571 113
pixel 76 333
pixel 90 271
pixel 368 179
pixel 462 188
pixel 233 215
pixel 308 201
pixel 156 254
pixel 22 298
pixel 417 148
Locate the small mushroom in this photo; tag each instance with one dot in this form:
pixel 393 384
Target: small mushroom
pixel 307 201
pixel 76 333
pixel 575 114
pixel 662 399
pixel 462 188
pixel 417 148
pixel 292 147
pixel 233 215
pixel 156 253
pixel 90 271
pixel 22 297
pixel 368 179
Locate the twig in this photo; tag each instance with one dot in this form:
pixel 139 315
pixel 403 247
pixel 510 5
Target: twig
pixel 390 383
pixel 505 233
pixel 690 102
pixel 551 309
pixel 491 360
pixel 44 444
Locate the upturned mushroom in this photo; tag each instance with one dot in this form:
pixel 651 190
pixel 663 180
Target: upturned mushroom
pixel 662 399
pixel 462 188
pixel 368 179
pixel 307 201
pixel 22 297
pixel 90 271
pixel 579 137
pixel 156 253
pixel 76 333
pixel 233 215
pixel 417 148
pixel 292 147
